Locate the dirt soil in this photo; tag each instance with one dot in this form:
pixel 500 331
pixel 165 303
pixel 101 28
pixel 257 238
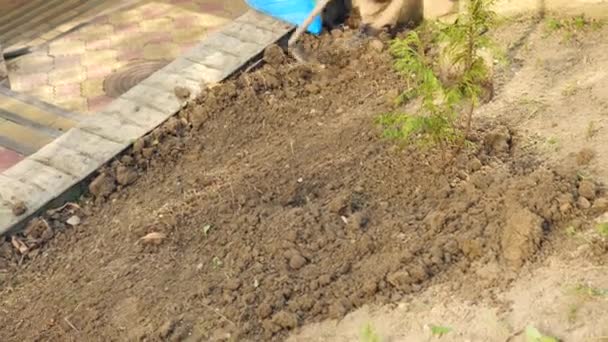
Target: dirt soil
pixel 271 203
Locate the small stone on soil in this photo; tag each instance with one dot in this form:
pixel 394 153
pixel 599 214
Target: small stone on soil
pixel 154 238
pixel 474 165
pixel 521 235
pixel 73 221
pixel 337 310
pixel 498 140
pixel 19 208
pixel 587 189
pixel 125 175
pixel 274 55
pixel 232 284
pixel 585 156
pixel 38 229
pixel 264 310
pixel 102 186
pixel 182 93
pixel 285 320
pixel 139 145
pixel 583 203
pixel 296 261
pixel 400 280
pixel 600 206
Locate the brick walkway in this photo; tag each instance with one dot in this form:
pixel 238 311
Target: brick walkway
pixel 54 173
pixel 70 72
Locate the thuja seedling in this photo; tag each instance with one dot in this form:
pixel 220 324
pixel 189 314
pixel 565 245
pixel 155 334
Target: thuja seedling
pixel 445 97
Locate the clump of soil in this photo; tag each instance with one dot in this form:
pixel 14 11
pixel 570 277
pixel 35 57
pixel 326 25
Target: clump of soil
pixel 283 206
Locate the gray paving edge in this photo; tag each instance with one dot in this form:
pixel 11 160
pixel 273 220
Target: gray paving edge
pixel 57 173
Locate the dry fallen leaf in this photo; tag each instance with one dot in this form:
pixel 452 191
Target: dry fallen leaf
pixel 19 245
pixel 154 238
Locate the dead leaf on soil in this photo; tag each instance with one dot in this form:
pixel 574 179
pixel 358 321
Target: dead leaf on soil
pixel 154 238
pixel 71 206
pixel 19 245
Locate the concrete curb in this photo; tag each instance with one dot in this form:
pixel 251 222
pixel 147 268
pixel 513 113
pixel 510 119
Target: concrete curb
pixel 55 173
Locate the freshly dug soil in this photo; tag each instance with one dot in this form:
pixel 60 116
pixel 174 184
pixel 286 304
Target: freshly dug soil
pixel 281 206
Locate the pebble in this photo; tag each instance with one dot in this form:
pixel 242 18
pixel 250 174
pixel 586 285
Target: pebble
pixel 19 208
pixel 587 189
pixel 296 261
pixel 73 221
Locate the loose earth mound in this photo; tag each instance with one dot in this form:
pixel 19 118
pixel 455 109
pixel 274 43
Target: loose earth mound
pixel 271 202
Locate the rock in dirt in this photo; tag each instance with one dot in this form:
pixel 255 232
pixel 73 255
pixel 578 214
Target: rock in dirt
pixel 337 310
pixel 285 320
pixel 154 238
pixel 38 229
pixel 167 328
pixel 19 208
pixel 274 55
pixel 139 145
pixel 182 93
pixel 73 221
pixel 474 165
pixel 296 261
pixel 264 310
pixel 587 189
pixel 102 186
pixel 125 175
pixel 232 284
pixel 400 280
pixel 585 156
pixel 521 235
pixel 600 206
pixel 498 140
pixel 583 203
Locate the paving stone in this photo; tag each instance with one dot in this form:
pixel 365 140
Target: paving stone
pixel 163 101
pixel 74 74
pixel 140 115
pixel 113 126
pixel 251 33
pixel 101 57
pixel 65 159
pixel 46 178
pixel 67 47
pixel 156 25
pixel 264 22
pixel 154 51
pixel 12 191
pixel 90 145
pixel 214 59
pixel 166 81
pixel 195 71
pixel 232 46
pixel 8 158
pixel 96 140
pixel 91 88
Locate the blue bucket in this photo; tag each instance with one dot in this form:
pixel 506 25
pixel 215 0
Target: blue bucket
pixel 291 11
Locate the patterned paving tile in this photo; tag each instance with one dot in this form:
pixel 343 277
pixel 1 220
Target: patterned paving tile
pixel 70 71
pixel 149 31
pixel 8 158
